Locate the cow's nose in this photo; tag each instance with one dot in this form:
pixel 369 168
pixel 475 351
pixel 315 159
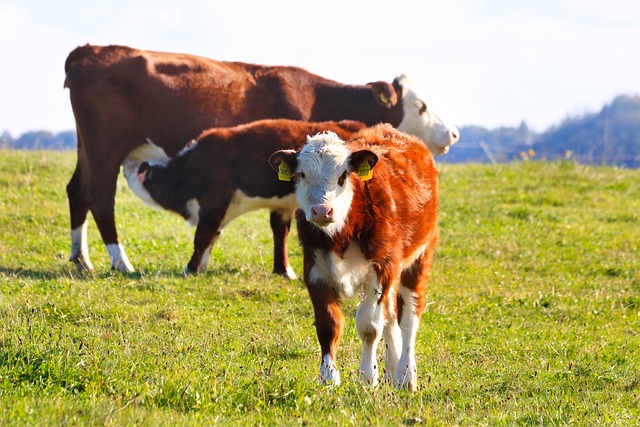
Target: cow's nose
pixel 322 213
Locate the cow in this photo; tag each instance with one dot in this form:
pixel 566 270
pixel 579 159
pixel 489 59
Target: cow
pixel 223 174
pixel 367 221
pixel 122 96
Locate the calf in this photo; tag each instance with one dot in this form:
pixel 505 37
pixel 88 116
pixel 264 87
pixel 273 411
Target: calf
pixel 121 96
pixel 367 221
pixel 224 174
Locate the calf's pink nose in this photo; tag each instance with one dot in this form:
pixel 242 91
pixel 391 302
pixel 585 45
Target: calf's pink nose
pixel 322 213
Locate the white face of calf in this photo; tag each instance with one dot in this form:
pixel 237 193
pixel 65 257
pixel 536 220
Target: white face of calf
pixel 423 122
pixel 323 189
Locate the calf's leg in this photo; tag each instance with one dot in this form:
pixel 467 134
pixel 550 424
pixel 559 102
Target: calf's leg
pixel 370 323
pixel 411 303
pixel 280 226
pixel 329 322
pixel 207 232
pixel 392 338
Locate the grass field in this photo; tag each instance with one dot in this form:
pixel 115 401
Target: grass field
pixel 533 313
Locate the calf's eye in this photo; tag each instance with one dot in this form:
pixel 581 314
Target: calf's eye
pixel 342 178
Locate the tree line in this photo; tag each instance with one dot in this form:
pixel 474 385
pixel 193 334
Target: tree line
pixel 608 137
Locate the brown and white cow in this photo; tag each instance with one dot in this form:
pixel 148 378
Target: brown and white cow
pixel 224 174
pixel 122 96
pixel 367 221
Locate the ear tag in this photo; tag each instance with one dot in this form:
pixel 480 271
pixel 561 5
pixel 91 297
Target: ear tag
pixel 284 173
pixel 364 171
pixel 384 98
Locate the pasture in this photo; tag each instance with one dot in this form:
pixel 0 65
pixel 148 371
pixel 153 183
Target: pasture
pixel 533 313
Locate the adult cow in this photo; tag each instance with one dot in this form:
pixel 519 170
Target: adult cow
pixel 122 96
pixel 376 233
pixel 224 174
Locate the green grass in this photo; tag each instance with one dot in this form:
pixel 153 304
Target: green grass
pixel 533 313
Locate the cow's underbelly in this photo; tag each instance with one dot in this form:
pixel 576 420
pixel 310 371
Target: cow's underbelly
pixel 241 204
pixel 346 274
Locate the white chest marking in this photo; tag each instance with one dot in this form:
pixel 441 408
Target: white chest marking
pixel 346 274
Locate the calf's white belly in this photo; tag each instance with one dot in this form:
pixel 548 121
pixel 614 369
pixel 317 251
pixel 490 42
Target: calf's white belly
pixel 241 204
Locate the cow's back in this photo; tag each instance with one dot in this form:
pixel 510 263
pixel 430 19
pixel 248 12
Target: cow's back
pixel 128 95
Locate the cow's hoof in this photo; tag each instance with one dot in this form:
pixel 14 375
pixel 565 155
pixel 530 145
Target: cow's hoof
pixel 189 272
pixel 123 267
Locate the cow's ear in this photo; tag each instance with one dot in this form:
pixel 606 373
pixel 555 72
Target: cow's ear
pixel 285 163
pixel 400 85
pixel 363 161
pixel 384 93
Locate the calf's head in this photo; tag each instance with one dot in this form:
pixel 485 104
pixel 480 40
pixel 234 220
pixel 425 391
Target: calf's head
pixel 139 176
pixel 324 172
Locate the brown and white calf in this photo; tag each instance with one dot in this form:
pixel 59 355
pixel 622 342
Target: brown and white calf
pixel 367 222
pixel 121 96
pixel 224 174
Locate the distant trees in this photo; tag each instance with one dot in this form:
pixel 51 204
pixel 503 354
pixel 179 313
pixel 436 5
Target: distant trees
pixel 608 137
pixel 39 140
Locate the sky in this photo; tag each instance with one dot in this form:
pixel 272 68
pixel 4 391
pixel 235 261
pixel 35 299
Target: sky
pixel 481 62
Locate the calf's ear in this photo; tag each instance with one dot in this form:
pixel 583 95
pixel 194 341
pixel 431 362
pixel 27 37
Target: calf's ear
pixel 363 161
pixel 384 93
pixel 285 163
pixel 144 172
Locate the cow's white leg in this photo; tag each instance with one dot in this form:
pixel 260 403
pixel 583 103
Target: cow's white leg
pixel 392 339
pixel 119 259
pixel 80 248
pixel 370 323
pixel 329 373
pixel 407 371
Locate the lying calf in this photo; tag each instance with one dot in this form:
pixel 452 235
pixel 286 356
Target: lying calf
pixel 367 221
pixel 224 174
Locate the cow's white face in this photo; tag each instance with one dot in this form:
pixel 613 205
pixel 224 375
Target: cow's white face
pixel 421 121
pixel 323 189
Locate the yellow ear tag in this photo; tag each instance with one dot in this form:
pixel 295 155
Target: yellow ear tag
pixel 384 98
pixel 284 173
pixel 364 171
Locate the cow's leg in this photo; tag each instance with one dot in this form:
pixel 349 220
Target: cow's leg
pixel 78 209
pixel 411 303
pixel 280 225
pixel 102 209
pixel 207 231
pixel 370 322
pixel 329 322
pixel 392 338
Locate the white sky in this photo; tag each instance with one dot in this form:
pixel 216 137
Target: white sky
pixel 484 62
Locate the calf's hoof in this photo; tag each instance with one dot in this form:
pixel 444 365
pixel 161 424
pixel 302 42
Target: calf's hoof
pixel 287 273
pixel 82 265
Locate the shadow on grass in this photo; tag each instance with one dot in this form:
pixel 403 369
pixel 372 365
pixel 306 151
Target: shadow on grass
pixel 62 273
